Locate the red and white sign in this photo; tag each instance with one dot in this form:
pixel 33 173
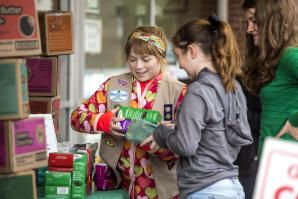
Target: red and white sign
pixel 278 172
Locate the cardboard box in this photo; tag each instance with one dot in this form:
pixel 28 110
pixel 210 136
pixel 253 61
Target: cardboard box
pixel 78 191
pixel 58 178
pixel 44 105
pixel 61 160
pixel 60 169
pixel 58 185
pixel 23 145
pixel 79 168
pixel 56 32
pixel 19 30
pixel 14 103
pixel 18 185
pixel 55 192
pixel 43 76
pixel 56 118
pixel 79 174
pixel 50 132
pixel 40 176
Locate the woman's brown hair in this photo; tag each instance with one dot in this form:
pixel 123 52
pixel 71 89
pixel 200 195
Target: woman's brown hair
pixel 215 40
pixel 250 69
pixel 277 30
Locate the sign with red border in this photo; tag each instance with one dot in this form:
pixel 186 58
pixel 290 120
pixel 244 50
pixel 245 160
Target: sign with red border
pixel 278 172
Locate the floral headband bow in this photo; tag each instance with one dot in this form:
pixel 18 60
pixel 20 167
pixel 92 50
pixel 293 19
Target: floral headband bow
pixel 151 39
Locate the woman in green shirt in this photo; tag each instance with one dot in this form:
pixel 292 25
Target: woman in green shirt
pixel 272 72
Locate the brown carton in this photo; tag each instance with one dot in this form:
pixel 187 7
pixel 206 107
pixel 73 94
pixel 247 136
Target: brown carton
pixel 56 32
pixel 44 105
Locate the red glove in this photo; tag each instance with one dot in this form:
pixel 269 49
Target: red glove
pixel 104 121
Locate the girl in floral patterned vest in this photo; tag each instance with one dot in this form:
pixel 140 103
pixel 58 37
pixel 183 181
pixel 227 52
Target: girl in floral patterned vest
pixel 142 172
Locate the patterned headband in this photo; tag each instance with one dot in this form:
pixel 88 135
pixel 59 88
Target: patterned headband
pixel 151 39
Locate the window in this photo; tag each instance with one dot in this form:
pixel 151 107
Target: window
pixel 101 28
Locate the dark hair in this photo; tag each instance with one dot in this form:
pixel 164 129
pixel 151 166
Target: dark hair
pixel 250 69
pixel 247 4
pixel 219 43
pixel 277 22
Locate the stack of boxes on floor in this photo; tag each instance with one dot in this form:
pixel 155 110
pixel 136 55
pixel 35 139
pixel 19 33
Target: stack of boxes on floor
pixel 29 74
pixel 67 175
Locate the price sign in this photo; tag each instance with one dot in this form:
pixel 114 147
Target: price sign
pixel 278 173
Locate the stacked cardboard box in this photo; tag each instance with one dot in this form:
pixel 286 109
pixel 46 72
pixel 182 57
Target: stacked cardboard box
pixel 22 139
pixel 90 151
pixel 56 32
pixel 40 174
pixel 67 175
pixel 23 143
pixel 44 87
pixel 19 32
pixel 79 175
pixel 44 71
pixel 61 162
pixel 57 176
pixel 44 91
pixel 58 185
pixel 18 185
pixel 23 148
pixel 14 103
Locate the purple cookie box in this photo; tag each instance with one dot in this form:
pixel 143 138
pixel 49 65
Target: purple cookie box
pixel 103 170
pixel 125 125
pixel 103 177
pixel 103 184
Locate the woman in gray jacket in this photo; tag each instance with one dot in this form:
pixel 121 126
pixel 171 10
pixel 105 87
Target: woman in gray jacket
pixel 212 120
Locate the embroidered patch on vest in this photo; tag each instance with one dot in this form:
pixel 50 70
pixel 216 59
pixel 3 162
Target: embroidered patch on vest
pixel 171 164
pixel 118 95
pixel 168 112
pixel 110 141
pixel 122 82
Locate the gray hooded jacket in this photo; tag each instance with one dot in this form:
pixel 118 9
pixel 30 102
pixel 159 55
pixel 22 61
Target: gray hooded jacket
pixel 211 127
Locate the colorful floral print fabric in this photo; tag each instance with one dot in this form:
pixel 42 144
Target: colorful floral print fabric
pixel 134 164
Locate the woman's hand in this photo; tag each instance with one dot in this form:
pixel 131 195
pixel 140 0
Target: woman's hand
pixel 149 140
pixel 153 146
pixel 288 128
pixel 116 130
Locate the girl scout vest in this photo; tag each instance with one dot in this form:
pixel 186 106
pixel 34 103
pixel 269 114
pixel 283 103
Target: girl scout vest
pixel 119 92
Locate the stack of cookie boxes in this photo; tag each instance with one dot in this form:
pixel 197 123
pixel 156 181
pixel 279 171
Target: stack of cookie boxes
pixel 22 139
pixel 44 85
pixel 44 72
pixel 30 43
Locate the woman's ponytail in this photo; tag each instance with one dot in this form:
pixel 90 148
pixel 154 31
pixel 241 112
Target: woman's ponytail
pixel 216 40
pixel 225 55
